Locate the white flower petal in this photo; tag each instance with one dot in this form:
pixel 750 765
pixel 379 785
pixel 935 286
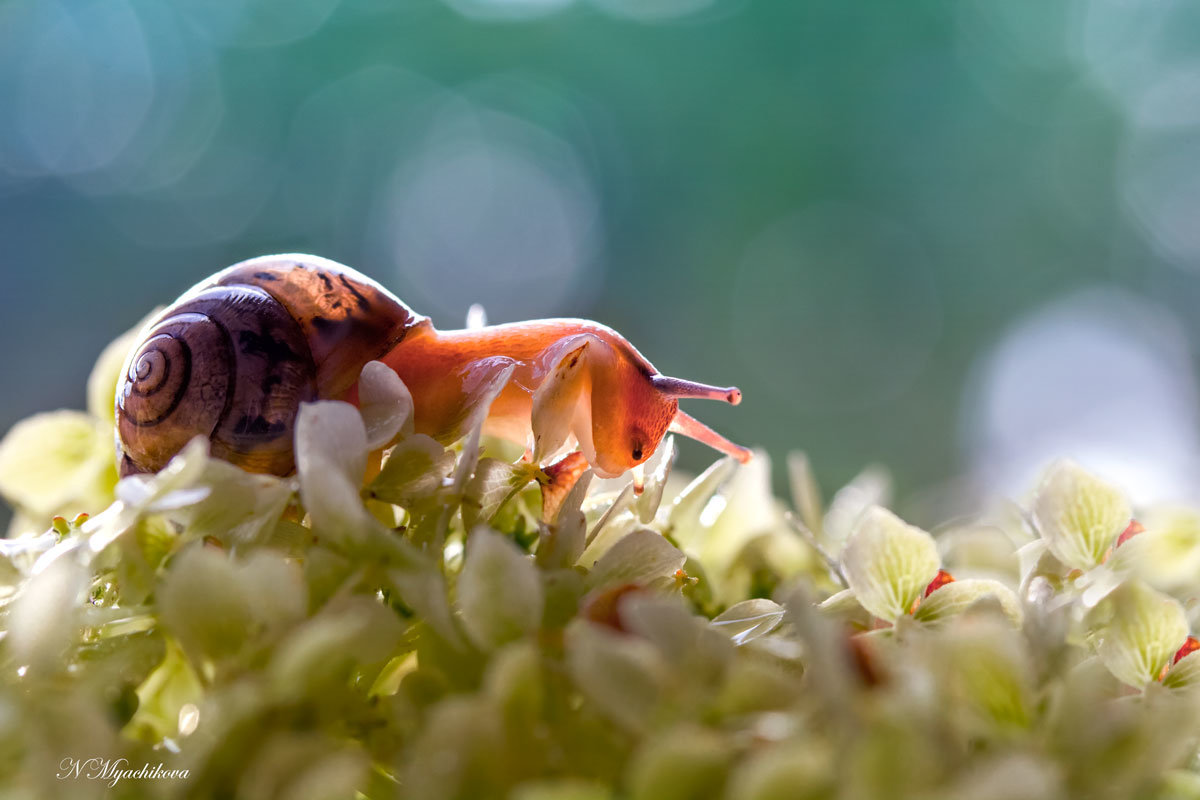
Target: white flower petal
pixel 888 563
pixel 44 621
pixel 1079 515
pixel 1146 629
pixel 749 619
pixel 871 487
pixel 1167 553
pixel 385 403
pixel 57 461
pixel 640 557
pixel 956 597
pixel 658 469
pixel 331 459
pixel 1184 674
pixel 499 591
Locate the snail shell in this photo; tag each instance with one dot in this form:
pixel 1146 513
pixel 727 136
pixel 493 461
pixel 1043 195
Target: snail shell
pixel 236 355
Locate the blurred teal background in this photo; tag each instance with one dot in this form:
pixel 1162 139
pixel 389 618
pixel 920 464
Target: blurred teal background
pixel 954 238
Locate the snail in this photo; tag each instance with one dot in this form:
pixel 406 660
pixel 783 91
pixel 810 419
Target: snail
pixel 236 355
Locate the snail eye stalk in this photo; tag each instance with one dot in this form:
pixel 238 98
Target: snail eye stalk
pixel 694 429
pixel 677 387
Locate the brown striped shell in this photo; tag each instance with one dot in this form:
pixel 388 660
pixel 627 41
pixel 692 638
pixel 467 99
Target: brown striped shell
pixel 235 356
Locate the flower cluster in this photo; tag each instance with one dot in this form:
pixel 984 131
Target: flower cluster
pixel 406 619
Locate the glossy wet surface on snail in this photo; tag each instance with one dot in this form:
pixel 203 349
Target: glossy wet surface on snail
pixel 234 357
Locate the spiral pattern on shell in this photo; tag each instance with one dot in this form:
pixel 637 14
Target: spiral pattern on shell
pixel 231 364
pixel 235 357
pixel 156 386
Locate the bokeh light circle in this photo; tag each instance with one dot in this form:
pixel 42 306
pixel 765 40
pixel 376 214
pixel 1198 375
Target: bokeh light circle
pixel 1160 184
pixel 181 123
pixel 1100 376
pixel 75 84
pixel 491 210
pixel 257 23
pixel 1121 43
pixel 1159 164
pixel 507 10
pixel 215 200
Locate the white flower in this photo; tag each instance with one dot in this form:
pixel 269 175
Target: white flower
pixel 958 596
pixel 888 563
pixel 1079 515
pixel 1146 629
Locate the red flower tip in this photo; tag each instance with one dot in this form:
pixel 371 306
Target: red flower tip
pixel 1190 645
pixel 1132 530
pixel 862 658
pixel 603 606
pixel 939 580
pixel 562 476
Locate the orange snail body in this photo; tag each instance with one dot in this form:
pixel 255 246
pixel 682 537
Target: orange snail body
pixel 235 356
